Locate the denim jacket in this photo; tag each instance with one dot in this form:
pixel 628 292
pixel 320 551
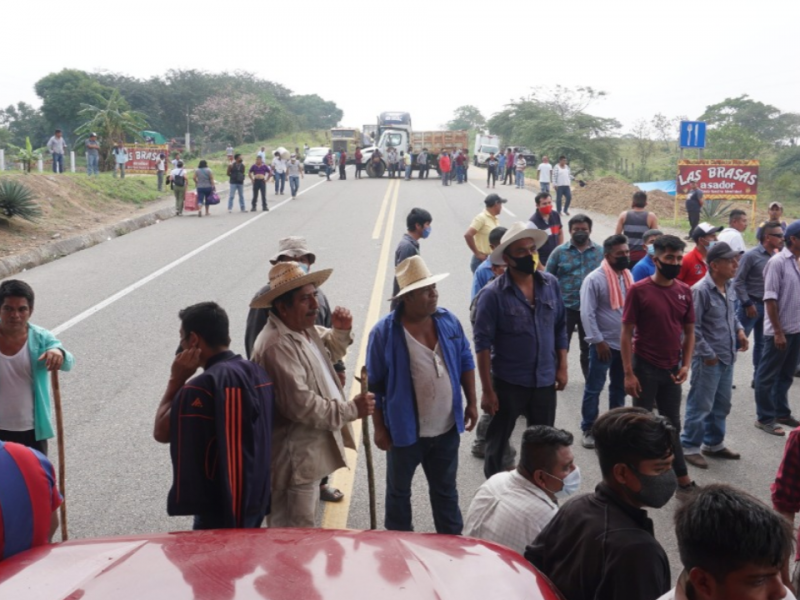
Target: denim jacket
pixel 389 372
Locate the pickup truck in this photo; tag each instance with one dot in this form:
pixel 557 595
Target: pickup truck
pixel 413 141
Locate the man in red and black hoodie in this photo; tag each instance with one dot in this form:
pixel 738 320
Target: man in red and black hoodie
pixel 218 425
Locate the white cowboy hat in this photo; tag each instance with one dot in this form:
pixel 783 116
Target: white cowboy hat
pixel 413 274
pixel 518 231
pixel 294 247
pixel 285 277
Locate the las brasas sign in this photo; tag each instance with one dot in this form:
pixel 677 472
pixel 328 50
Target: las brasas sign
pixel 143 158
pixel 731 179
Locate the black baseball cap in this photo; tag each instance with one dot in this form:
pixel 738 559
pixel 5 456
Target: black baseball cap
pixel 493 199
pixel 721 250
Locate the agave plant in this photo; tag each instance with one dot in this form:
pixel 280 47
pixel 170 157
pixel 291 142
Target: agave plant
pixel 17 201
pixel 27 155
pixel 716 211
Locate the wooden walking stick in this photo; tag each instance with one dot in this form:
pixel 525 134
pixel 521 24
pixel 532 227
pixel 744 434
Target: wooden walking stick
pixel 61 465
pixel 373 519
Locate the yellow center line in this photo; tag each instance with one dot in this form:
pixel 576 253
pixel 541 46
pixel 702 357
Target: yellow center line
pixel 376 233
pixel 336 513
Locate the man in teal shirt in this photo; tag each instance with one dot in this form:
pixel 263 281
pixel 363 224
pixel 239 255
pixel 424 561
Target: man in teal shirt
pixel 27 353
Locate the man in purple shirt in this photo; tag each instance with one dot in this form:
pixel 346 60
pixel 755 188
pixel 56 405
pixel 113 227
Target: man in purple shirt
pixel 521 342
pixel 781 337
pixel 259 175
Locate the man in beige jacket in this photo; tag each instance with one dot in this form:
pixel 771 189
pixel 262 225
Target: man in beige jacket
pixel 312 421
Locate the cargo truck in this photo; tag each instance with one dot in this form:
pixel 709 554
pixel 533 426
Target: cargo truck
pixel 413 141
pixel 345 139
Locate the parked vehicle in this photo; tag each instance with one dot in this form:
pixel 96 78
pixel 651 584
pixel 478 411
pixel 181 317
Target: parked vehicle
pixel 369 134
pixel 313 160
pixel 529 156
pixel 346 139
pixel 413 142
pixel 485 144
pixel 279 564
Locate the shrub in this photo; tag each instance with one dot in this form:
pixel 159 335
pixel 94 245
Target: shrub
pixel 17 201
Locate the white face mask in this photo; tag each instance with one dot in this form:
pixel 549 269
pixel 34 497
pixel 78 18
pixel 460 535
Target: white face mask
pixel 571 484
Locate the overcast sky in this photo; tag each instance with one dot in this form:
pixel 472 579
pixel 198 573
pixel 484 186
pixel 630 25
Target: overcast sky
pixel 428 58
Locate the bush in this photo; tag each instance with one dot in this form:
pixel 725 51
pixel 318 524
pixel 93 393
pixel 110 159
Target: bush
pixel 17 201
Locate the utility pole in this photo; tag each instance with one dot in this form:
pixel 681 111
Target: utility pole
pixel 188 135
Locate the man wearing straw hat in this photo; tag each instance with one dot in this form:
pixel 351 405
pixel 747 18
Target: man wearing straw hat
pixel 312 421
pixel 520 341
pixel 418 362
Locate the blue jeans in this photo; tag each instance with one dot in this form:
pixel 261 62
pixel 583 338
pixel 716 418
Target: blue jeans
pixel 280 182
pixel 707 406
pixel 408 172
pixel 294 184
pixel 328 171
pixel 545 186
pixel 119 167
pixel 521 179
pixel 460 174
pixel 58 163
pixel 92 164
pixel 439 459
pixel 757 326
pixel 563 191
pixel 774 377
pixel 445 178
pixel 234 187
pixel 474 263
pixel 596 381
pixel 203 194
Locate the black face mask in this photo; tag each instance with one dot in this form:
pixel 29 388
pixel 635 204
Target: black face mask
pixel 580 237
pixel 668 271
pixel 621 263
pixel 524 264
pixel 656 489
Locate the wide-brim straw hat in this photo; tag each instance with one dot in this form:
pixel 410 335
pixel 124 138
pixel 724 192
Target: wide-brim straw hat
pixel 413 274
pixel 518 231
pixel 285 277
pixel 293 246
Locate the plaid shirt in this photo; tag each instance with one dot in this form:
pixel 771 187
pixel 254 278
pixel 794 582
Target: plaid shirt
pixel 786 489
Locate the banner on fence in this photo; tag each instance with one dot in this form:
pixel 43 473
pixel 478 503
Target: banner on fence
pixel 729 179
pixel 142 158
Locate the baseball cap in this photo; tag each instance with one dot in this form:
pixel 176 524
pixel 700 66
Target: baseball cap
pixel 774 204
pixel 93 134
pixel 721 250
pixel 651 233
pixel 493 199
pixel 704 229
pixel 793 229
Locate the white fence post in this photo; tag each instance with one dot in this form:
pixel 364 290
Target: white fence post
pixel 2 160
pixel 72 160
pixel 40 165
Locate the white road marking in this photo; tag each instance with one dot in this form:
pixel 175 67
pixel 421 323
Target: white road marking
pixel 165 269
pixel 484 194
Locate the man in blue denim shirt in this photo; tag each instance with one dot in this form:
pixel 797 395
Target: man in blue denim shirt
pixel 418 361
pixel 520 341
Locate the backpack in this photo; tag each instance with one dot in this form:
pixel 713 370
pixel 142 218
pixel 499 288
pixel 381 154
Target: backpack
pixel 179 180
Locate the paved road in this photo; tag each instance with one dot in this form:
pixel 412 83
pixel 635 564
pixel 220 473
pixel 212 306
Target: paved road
pixel 118 476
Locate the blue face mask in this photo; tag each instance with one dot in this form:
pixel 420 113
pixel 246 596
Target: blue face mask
pixel 303 266
pixel 426 232
pixel 711 245
pixel 651 249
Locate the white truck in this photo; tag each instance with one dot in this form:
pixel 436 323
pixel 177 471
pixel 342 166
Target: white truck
pixel 485 144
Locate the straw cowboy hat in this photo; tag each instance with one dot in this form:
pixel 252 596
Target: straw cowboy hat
pixel 293 247
pixel 413 274
pixel 285 277
pixel 518 231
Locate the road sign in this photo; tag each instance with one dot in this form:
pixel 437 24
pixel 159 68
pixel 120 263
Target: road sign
pixel 693 134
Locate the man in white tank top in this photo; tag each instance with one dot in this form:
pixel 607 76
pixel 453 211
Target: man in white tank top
pixel 27 353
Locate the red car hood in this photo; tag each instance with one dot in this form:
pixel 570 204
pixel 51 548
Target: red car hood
pixel 273 564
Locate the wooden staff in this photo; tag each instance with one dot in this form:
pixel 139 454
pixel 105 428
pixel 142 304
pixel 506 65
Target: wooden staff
pixel 373 519
pixel 61 464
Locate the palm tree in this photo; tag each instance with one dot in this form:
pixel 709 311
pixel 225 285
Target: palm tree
pixel 112 122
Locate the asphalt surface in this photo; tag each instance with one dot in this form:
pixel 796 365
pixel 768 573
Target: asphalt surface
pixel 118 477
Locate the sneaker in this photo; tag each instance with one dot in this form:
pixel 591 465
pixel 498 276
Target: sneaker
pixel 253 209
pixel 725 453
pixel 588 440
pixel 478 449
pixel 696 460
pixel 230 211
pixel 266 209
pixel 770 428
pixel 789 421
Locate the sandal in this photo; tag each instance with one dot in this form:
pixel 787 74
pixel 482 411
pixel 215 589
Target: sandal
pixel 771 428
pixel 329 493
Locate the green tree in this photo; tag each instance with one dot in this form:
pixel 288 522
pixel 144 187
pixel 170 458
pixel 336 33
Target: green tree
pixel 22 121
pixel 313 112
pixel 63 95
pixel 762 121
pixel 556 123
pixel 466 117
pixel 733 141
pixel 113 122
